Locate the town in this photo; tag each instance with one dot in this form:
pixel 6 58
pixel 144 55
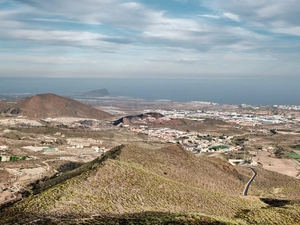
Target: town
pixel 28 153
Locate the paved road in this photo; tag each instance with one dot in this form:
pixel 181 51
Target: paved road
pixel 245 193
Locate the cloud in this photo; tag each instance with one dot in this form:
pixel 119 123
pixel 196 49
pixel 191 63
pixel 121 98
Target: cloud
pixel 262 13
pixel 232 16
pixel 114 13
pixel 149 26
pixel 227 15
pixel 295 31
pixel 62 21
pixel 132 32
pixel 128 23
pixel 211 16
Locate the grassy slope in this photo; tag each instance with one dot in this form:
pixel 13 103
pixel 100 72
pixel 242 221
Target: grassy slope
pixel 273 185
pixel 131 180
pixel 175 163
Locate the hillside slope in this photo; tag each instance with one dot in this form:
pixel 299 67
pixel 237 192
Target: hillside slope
pixel 145 118
pixel 50 105
pixel 129 180
pixel 4 106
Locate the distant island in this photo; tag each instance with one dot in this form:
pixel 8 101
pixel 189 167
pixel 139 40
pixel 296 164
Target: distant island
pixel 99 92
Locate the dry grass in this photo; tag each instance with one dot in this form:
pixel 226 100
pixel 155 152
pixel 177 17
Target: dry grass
pixel 121 187
pixel 272 184
pixel 130 180
pixel 175 163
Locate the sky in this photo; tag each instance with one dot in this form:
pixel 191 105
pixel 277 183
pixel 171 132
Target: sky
pixel 149 38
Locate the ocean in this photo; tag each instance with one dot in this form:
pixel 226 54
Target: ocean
pixel 253 91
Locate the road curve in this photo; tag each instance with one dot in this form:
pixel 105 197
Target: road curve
pixel 245 193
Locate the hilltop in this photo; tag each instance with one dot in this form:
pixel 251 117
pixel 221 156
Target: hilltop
pixel 158 120
pixel 51 105
pixel 144 118
pixel 156 186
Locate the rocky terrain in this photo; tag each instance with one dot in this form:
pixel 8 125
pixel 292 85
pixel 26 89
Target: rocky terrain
pixel 145 118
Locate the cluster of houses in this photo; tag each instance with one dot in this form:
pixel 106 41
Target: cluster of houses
pixel 231 117
pixel 287 107
pixel 191 141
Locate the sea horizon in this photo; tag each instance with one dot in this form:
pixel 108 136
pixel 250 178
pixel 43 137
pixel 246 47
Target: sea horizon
pixel 245 90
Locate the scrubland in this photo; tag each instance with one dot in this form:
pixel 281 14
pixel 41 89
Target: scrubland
pixel 159 186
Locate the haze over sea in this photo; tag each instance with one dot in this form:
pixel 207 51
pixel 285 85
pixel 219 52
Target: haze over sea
pixel 254 91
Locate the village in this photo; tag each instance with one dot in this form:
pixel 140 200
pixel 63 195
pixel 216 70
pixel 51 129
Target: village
pixel 44 150
pixel 245 119
pixel 191 141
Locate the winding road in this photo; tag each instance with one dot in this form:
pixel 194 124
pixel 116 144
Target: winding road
pixel 245 193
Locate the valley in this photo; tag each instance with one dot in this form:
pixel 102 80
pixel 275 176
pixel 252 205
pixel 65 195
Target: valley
pixel 140 156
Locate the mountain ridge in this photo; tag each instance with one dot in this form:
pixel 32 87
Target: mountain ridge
pixel 131 180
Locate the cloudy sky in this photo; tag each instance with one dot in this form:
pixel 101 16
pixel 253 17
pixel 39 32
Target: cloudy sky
pixel 149 38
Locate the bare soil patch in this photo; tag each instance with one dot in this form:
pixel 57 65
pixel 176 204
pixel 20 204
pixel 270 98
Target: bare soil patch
pixel 283 166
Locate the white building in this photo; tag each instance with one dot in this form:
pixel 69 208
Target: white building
pixel 3 148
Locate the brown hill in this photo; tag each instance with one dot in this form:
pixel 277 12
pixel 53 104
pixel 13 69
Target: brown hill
pixel 145 118
pixel 155 119
pixel 129 181
pixel 4 106
pixel 51 105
